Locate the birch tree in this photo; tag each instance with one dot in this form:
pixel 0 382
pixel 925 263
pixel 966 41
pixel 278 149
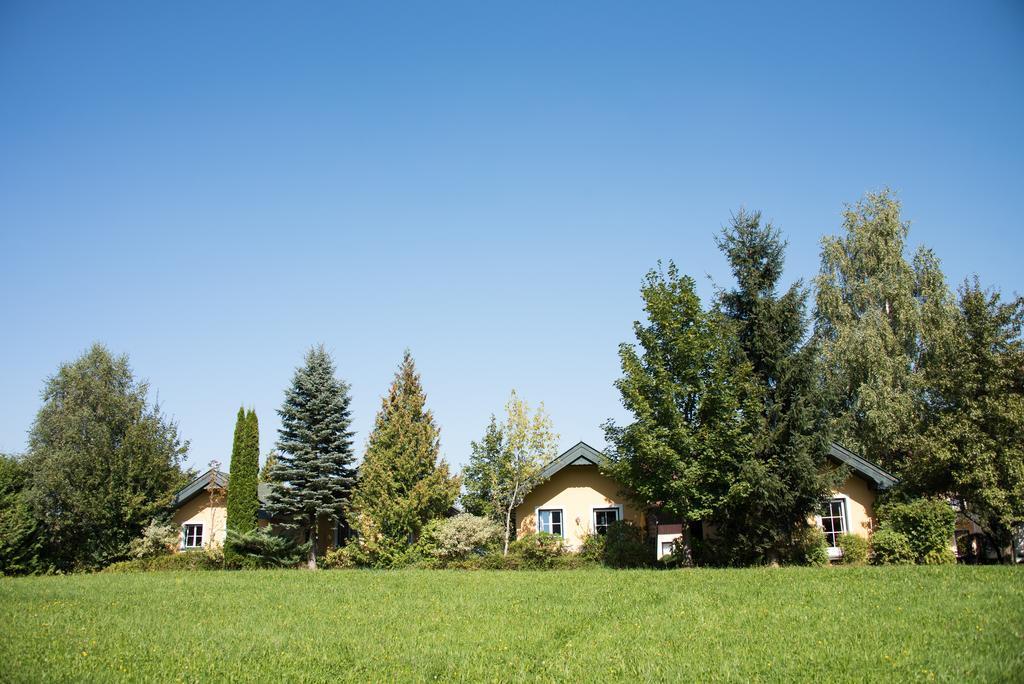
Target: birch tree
pixel 508 462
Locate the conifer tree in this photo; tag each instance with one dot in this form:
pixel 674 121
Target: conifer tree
pixel 481 473
pixel 314 475
pixel 243 504
pixel 787 476
pixel 402 482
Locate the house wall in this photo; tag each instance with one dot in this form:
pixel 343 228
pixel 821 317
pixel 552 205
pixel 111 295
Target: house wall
pixel 198 510
pixel 577 490
pixel 860 505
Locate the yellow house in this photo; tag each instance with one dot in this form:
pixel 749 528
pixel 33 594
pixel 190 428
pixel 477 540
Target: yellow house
pixel 576 499
pixel 200 513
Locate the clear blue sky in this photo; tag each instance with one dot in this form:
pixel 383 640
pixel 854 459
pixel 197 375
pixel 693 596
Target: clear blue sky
pixel 213 189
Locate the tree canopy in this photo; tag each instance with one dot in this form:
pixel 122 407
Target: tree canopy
pixel 402 481
pixel 314 472
pixel 102 461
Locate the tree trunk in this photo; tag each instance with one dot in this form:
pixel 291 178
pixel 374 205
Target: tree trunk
pixel 312 548
pixel 508 516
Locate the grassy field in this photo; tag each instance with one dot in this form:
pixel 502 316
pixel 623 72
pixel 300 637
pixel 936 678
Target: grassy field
pixel 864 624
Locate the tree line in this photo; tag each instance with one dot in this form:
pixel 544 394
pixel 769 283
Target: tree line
pixel 733 405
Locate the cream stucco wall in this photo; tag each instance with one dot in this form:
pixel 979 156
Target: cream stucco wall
pixel 199 510
pixel 577 490
pixel 860 505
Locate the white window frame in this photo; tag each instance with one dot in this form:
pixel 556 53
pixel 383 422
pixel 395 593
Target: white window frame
pixel 561 519
pixel 593 514
pixel 184 535
pixel 835 551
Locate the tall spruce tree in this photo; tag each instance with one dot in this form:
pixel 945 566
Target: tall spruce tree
pixel 875 314
pixel 402 482
pixel 314 475
pixel 243 502
pixel 787 476
pixel 696 406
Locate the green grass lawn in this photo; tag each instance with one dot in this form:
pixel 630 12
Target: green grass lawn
pixel 864 624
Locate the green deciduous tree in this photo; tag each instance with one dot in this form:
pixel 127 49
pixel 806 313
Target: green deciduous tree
pixel 402 482
pixel 973 414
pixel 243 503
pixel 696 406
pixel 314 475
pixel 786 476
pixel 876 313
pixel 103 461
pixel 507 463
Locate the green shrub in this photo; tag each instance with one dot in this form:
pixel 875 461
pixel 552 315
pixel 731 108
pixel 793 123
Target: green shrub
pixel 261 548
pixel 592 549
pixel 211 559
pixel 157 539
pixel 536 550
pixel 927 524
pixel 939 557
pixel 854 548
pixel 811 548
pixel 889 547
pixel 459 537
pixel 625 547
pixel 339 558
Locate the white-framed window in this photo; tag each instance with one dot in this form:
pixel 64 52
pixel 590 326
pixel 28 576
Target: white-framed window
pixel 667 548
pixel 192 536
pixel 603 517
pixel 550 520
pixel 833 521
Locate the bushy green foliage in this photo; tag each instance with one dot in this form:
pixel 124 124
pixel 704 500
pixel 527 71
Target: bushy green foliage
pixel 780 482
pixel 315 471
pixel 876 312
pixel 592 548
pixel 21 543
pixel 243 502
pixel 537 550
pixel 157 539
pixel 927 524
pixel 208 559
pixel 103 462
pixel 855 549
pixel 625 546
pixel 459 537
pixel 261 548
pixel 508 462
pixel 974 413
pixel 810 546
pixel 889 547
pixel 695 405
pixel 403 482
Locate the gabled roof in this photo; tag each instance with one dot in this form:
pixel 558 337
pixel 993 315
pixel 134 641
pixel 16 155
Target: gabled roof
pixel 881 478
pixel 580 454
pixel 199 485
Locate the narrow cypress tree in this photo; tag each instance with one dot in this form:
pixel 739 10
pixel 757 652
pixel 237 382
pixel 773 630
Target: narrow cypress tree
pixel 243 503
pixel 402 483
pixel 314 474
